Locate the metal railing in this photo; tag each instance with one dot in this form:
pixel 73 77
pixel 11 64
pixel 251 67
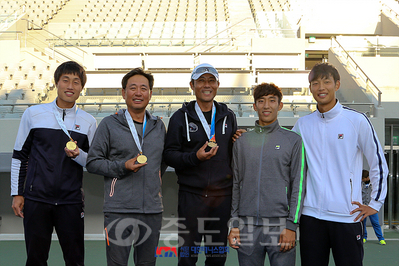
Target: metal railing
pixel 218 33
pixel 360 75
pixel 75 53
pixel 167 107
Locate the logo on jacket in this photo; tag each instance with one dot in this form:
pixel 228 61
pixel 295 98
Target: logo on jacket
pixel 340 136
pixel 277 147
pixel 77 127
pixel 192 127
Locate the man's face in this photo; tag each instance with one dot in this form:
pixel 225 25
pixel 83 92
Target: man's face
pixel 205 88
pixel 267 108
pixel 323 90
pixel 69 87
pixel 137 93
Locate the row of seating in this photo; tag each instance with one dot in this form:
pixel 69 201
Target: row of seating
pixel 40 11
pixel 154 33
pixel 28 95
pixel 159 10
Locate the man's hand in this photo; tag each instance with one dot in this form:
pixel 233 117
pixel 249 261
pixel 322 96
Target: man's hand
pixel 364 211
pixel 18 205
pixel 238 133
pixel 202 155
pixel 234 238
pixel 287 240
pixel 132 165
pixel 72 154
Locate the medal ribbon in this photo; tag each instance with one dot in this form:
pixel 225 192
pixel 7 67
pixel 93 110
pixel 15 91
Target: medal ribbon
pixel 134 131
pixel 61 122
pixel 210 132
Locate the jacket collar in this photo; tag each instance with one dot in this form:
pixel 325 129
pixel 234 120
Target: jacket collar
pixel 67 110
pixel 334 112
pixel 266 129
pixel 221 110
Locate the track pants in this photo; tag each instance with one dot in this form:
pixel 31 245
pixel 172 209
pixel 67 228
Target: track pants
pixel 122 230
pixel 39 221
pixel 317 237
pixel 203 217
pixel 256 241
pixel 376 225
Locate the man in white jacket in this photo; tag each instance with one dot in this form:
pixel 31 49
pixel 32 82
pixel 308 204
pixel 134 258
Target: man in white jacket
pixel 335 139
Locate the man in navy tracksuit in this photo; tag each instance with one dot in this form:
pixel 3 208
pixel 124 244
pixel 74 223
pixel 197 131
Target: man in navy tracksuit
pixel 198 145
pixel 46 175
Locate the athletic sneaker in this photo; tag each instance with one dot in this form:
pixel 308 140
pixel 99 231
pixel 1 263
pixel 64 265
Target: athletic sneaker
pixel 364 240
pixel 382 242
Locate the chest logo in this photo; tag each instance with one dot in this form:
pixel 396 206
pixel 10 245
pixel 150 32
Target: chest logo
pixel 340 136
pixel 77 127
pixel 277 147
pixel 192 127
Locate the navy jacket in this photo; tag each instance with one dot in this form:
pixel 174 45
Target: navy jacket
pixel 185 136
pixel 40 169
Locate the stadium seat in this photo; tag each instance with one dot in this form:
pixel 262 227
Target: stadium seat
pixel 15 94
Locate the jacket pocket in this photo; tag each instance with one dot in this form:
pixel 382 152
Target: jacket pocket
pixel 32 172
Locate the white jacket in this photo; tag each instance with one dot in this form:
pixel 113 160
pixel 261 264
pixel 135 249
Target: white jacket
pixel 335 142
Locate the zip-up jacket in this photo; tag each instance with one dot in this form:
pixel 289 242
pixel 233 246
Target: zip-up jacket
pixel 126 191
pixel 40 169
pixel 269 176
pixel 335 142
pixel 186 136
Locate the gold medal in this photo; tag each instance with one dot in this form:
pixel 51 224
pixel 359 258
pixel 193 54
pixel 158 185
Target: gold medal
pixel 142 158
pixel 212 144
pixel 71 145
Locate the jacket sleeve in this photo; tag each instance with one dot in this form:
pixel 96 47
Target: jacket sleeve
pixel 298 184
pixel 82 157
pixel 97 158
pixel 237 179
pixel 372 150
pixel 20 157
pixel 173 151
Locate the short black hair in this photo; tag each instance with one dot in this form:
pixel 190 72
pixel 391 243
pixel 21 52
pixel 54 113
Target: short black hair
pixel 138 71
pixel 70 67
pixel 265 89
pixel 365 173
pixel 324 70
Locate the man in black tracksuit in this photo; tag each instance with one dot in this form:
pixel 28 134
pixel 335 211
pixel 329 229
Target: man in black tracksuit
pixel 198 145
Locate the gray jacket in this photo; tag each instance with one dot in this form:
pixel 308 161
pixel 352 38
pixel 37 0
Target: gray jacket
pixel 113 144
pixel 269 172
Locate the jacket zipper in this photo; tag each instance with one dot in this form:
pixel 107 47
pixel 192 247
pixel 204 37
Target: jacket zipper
pixel 259 175
pixel 351 190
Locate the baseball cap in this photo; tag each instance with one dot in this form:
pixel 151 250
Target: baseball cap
pixel 204 69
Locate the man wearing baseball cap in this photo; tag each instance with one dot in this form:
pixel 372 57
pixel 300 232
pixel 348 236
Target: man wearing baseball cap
pixel 199 146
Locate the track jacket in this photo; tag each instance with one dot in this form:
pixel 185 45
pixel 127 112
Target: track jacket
pixel 186 136
pixel 335 142
pixel 269 176
pixel 40 169
pixel 126 191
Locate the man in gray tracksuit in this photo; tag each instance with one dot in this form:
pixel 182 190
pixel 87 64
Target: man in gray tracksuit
pixel 268 186
pixel 127 150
